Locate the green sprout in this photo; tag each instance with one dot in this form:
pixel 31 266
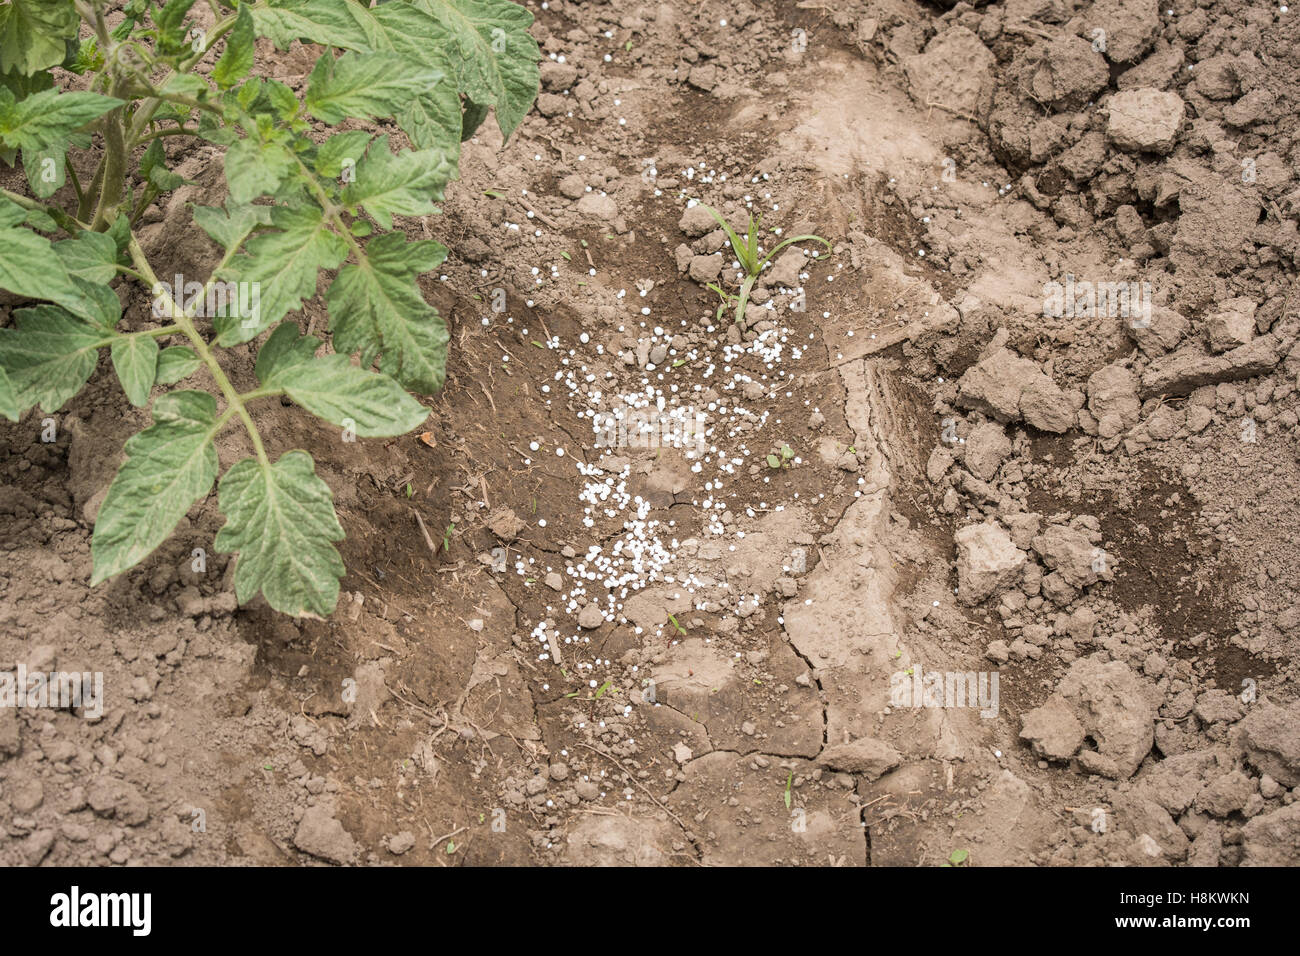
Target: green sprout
pixel 747 254
pixel 783 459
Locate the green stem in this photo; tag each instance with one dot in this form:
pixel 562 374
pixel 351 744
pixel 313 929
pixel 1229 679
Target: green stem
pixel 743 299
pixel 72 175
pixel 114 167
pixel 150 106
pixel 328 207
pixel 70 225
pixel 234 403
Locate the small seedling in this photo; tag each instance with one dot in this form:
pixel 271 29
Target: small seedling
pixel 446 536
pixel 958 858
pixel 747 254
pixel 676 626
pixel 789 782
pixel 781 460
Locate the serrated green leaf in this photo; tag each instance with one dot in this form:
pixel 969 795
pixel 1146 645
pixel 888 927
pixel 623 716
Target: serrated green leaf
pixel 331 156
pixel 237 59
pixel 169 466
pixel 431 118
pixel 284 265
pixel 43 125
pixel 231 224
pixel 91 256
pixel 176 363
pixel 364 85
pixel 99 303
pixel 332 388
pixel 135 359
pixel 498 56
pixel 282 349
pixel 20 85
pixel 187 84
pixel 153 168
pixel 45 170
pixel 49 355
pixel 29 267
pixel 406 184
pixel 254 167
pixel 8 397
pixel 339 23
pixel 41 221
pixel 376 307
pixel 170 21
pixel 280 519
pixel 46 119
pixel 32 33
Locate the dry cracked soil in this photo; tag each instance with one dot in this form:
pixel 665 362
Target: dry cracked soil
pixel 975 541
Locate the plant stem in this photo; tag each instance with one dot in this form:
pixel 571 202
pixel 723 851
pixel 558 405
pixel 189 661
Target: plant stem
pixel 149 106
pixel 70 225
pixel 114 169
pixel 234 402
pixel 743 299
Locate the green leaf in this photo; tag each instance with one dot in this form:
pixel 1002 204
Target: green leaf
pixel 41 221
pixel 430 118
pixel 100 303
pixel 376 307
pixel 32 33
pixel 49 355
pixel 283 265
pixel 8 398
pixel 332 388
pixel 254 167
pixel 231 224
pixel 170 21
pixel 91 256
pixel 958 857
pixel 340 23
pixel 169 466
pixel 42 125
pixel 331 156
pixel 433 120
pixel 153 169
pixel 237 59
pixel 176 363
pixel 364 85
pixel 45 170
pixel 46 119
pixel 280 518
pixel 135 359
pixel 283 349
pixel 20 85
pixel 498 56
pixel 406 184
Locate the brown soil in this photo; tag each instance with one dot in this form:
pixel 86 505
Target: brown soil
pixel 452 710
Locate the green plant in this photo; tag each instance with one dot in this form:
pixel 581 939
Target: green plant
pixel 957 858
pixel 296 206
pixel 747 254
pixel 781 460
